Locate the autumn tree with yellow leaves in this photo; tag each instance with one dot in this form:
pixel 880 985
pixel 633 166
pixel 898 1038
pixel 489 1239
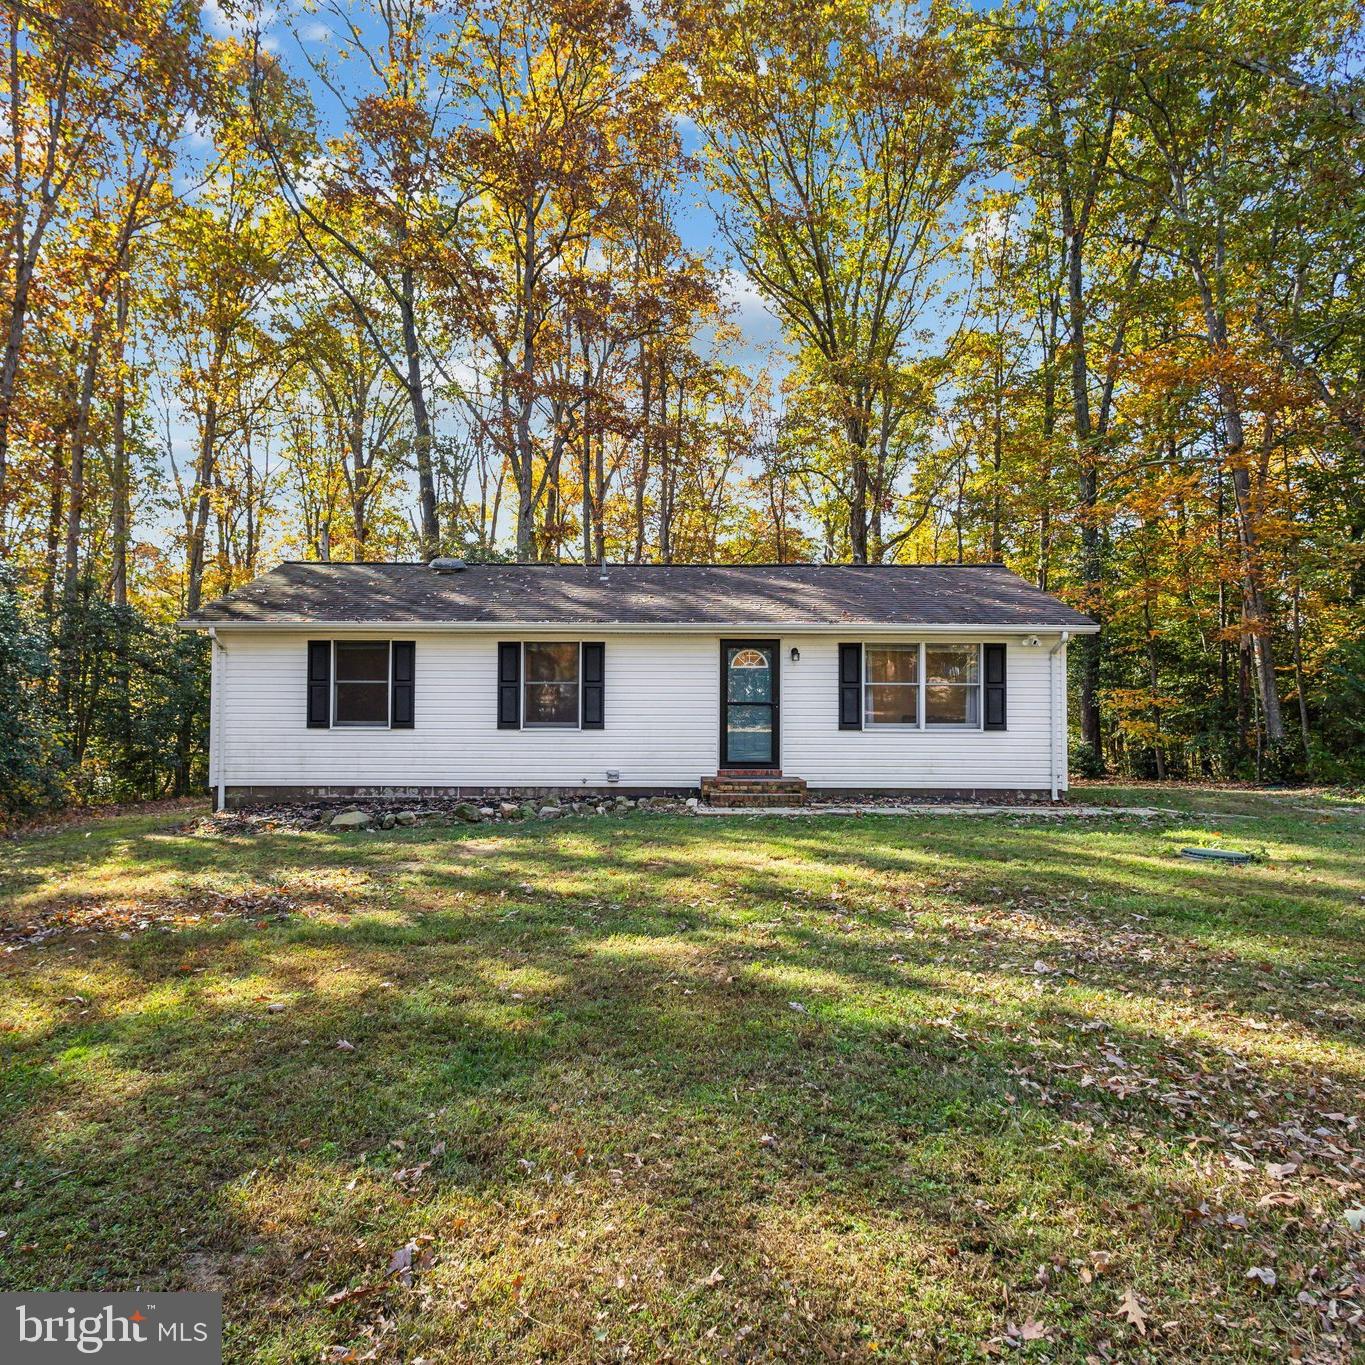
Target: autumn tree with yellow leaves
pixel 1074 285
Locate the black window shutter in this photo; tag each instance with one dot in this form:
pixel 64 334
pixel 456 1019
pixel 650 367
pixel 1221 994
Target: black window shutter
pixel 401 708
pixel 509 685
pixel 594 685
pixel 319 684
pixel 994 671
pixel 850 687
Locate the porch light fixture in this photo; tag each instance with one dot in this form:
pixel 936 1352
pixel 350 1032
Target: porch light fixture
pixel 796 655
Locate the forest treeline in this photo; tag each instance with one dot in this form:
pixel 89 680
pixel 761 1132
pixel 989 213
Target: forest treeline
pixel 1073 286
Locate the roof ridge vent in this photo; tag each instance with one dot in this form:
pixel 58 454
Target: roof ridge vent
pixel 445 564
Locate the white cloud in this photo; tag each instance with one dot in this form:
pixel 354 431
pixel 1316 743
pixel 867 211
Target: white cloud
pixel 222 25
pixel 751 308
pixel 215 20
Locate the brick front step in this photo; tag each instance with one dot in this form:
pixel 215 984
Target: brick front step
pixel 792 786
pixel 729 788
pixel 753 800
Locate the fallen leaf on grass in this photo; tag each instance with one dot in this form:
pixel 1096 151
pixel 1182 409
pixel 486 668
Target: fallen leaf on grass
pixel 1264 1273
pixel 361 1291
pixel 344 1046
pixel 1131 1310
pixel 415 1255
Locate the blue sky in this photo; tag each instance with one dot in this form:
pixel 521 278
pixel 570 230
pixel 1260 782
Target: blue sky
pixel 295 35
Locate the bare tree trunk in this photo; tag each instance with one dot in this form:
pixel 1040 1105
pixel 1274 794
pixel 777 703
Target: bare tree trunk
pixel 1075 224
pixel 599 497
pixel 856 431
pixel 1299 687
pixel 642 478
pixel 668 470
pixel 524 461
pixel 75 502
pixel 586 460
pixel 1049 431
pixel 997 453
pixel 1088 490
pixel 1256 613
pixel 429 530
pixel 25 268
pixel 9 368
pixel 119 492
pixel 550 538
pixel 1154 683
pixel 362 479
pixel 56 493
pixel 203 481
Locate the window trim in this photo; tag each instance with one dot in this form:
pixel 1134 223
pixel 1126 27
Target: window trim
pixel 387 722
pixel 917 685
pixel 923 726
pixel 577 724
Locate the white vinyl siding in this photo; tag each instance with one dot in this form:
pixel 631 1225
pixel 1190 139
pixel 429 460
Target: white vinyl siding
pixel 891 756
pixel 662 728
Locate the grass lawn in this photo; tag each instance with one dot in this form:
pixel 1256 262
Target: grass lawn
pixel 661 1088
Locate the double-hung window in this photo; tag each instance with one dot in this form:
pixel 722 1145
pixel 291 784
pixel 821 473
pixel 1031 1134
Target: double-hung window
pixel 361 685
pixel 891 685
pixel 551 677
pixel 922 686
pixel 952 686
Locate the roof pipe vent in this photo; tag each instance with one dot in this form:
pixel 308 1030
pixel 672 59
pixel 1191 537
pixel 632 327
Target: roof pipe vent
pixel 442 564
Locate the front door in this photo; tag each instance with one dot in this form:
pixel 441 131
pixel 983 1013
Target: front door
pixel 748 704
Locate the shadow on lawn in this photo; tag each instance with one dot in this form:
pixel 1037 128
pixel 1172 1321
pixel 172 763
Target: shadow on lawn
pixel 646 880
pixel 871 1133
pixel 628 1009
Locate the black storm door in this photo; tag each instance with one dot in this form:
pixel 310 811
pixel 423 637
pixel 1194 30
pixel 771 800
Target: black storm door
pixel 748 704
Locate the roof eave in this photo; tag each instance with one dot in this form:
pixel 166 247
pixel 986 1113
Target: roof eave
pixel 655 627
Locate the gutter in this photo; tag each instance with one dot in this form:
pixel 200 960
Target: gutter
pixel 1052 704
pixel 655 627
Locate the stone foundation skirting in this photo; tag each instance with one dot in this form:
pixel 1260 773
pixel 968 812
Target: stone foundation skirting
pixel 244 797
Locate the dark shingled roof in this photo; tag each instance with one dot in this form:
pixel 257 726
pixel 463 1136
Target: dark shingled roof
pixel 307 594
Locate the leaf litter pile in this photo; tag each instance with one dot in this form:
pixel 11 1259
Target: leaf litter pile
pixel 64 917
pixel 650 1093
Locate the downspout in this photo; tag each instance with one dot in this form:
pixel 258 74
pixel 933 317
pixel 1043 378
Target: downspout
pixel 1052 707
pixel 215 721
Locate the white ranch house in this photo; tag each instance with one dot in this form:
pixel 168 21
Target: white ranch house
pixel 344 679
